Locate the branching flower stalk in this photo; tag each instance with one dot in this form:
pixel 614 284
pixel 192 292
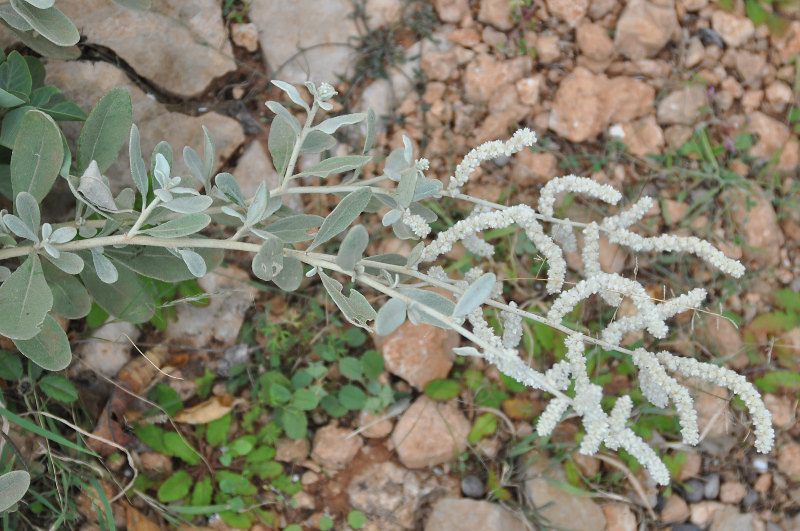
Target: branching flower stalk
pixel 108 250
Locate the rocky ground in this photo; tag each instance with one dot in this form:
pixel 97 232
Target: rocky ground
pixel 688 101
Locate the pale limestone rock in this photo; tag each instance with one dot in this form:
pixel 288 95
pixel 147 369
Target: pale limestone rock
pixel 643 137
pixel 418 353
pixel 245 35
pixel 430 433
pixel 86 82
pixel 732 492
pixel 439 66
pixel 529 169
pixel 675 510
pixel 734 29
pixel 755 219
pixel 391 496
pixel 375 428
pixel 291 450
pixel 332 448
pixel 781 408
pixel 721 336
pixel 702 512
pixel 548 49
pixel 562 509
pixel 322 29
pixel 528 89
pixel 496 13
pixel 453 514
pixel 484 75
pixel 682 106
pixel 570 11
pixel 788 45
pixel 752 67
pixel 217 324
pixel 730 519
pixel 181 46
pixel 451 10
pixel 586 103
pixel 789 460
pixel 644 28
pixel 713 415
pixel 600 8
pixel 674 211
pixel 107 349
pixel 594 42
pixel 619 517
pixel 694 53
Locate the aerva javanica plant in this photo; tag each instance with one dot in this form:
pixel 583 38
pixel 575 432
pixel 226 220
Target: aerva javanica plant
pixel 153 230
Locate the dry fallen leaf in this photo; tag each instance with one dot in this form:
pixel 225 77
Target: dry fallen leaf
pixel 212 409
pixel 136 521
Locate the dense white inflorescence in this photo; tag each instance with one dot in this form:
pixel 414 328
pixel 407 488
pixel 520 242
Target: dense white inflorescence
pixel 657 384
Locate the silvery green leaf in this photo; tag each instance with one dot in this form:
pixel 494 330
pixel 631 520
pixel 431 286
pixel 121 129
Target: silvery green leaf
pixel 86 231
pixel 427 188
pixel 189 205
pixel 391 217
pixel 94 189
pixel 37 155
pixel 25 299
pixel 355 307
pixel 405 190
pixel 352 248
pixel 326 106
pixel 195 165
pixel 408 150
pixel 4 273
pixel 179 227
pixel 294 228
pixel 52 251
pixel 127 299
pixel 292 92
pixel 311 88
pixel 164 195
pixel 227 185
pixel 19 227
pixel 105 130
pixel 395 164
pixel 332 124
pixel 231 212
pixel 268 262
pixel 68 263
pixel 426 213
pixel 13 19
pixel 138 171
pixel 432 300
pixel 41 4
pixel 165 150
pixel 335 165
pixel 70 298
pixel 47 231
pixel 415 255
pixel 62 234
pixel 162 170
pixel 467 351
pixel 258 207
pixel 13 486
pixel 105 270
pixel 291 276
pixel 209 158
pixel 342 216
pixel 27 208
pixel 51 23
pixel 317 142
pixel 281 143
pixel 49 348
pixel 475 295
pixel 402 232
pixel 183 190
pixel 194 262
pixel 159 263
pixel 385 200
pixel 125 200
pixel 281 111
pixel 370 137
pixel 390 317
pixel 137 5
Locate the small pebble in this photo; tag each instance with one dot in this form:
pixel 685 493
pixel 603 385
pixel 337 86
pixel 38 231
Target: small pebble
pixel 685 527
pixel 693 490
pixel 761 464
pixel 750 500
pixel 472 487
pixel 711 488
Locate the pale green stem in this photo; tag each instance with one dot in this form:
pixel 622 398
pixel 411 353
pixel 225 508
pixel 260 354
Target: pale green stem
pixel 142 218
pixel 287 175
